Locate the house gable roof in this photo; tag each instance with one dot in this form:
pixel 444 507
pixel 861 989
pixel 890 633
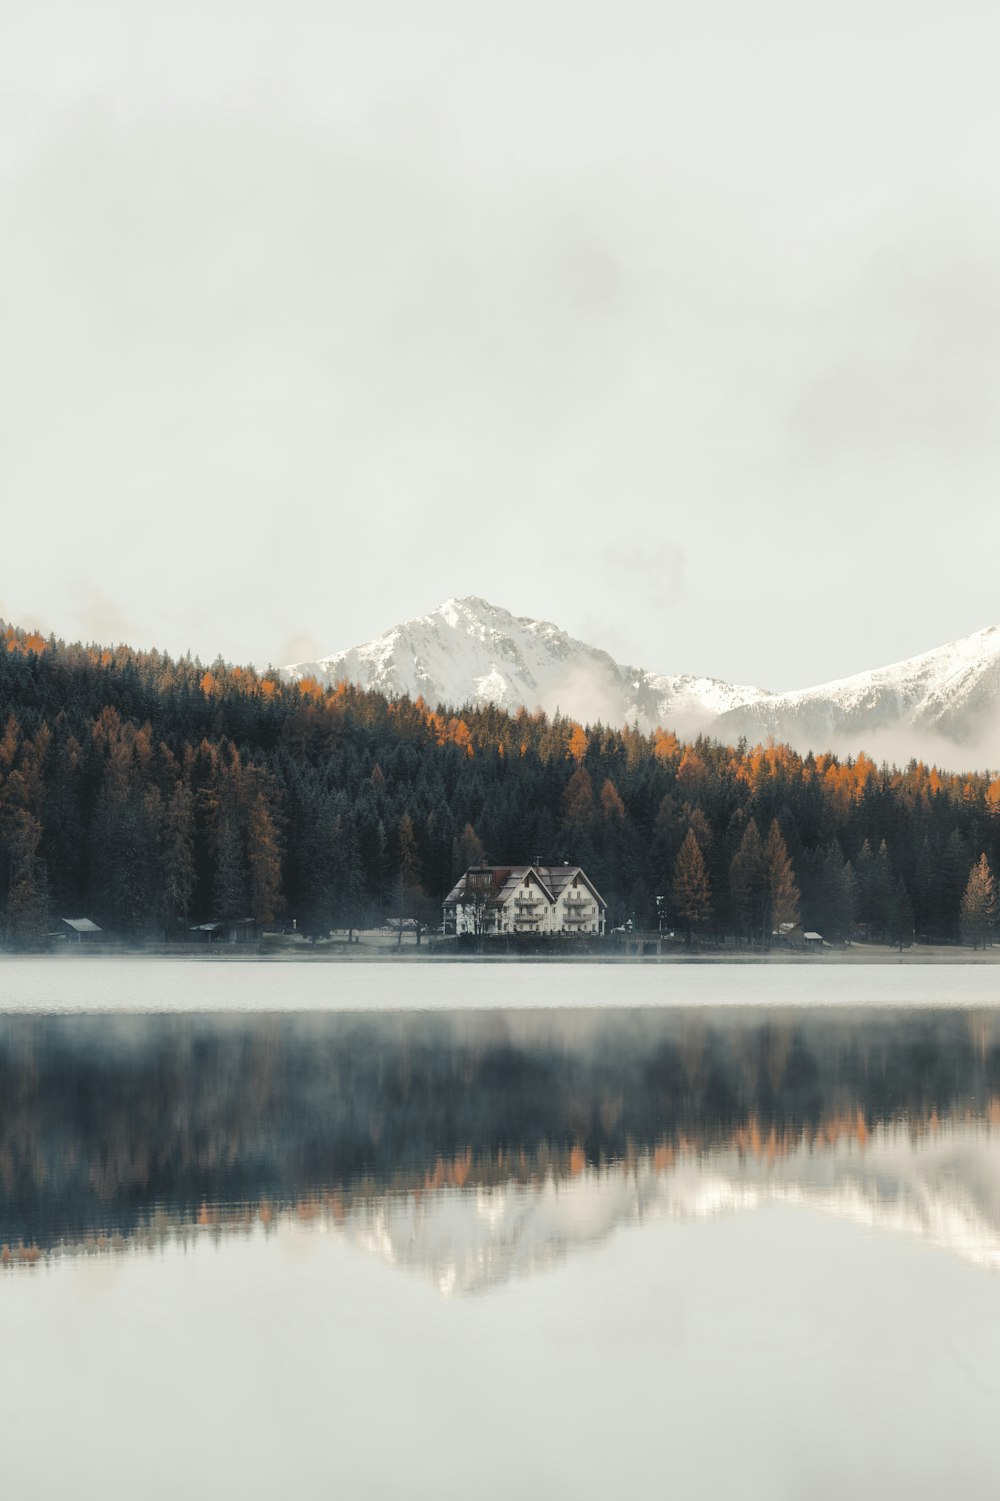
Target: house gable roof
pixel 561 876
pixel 506 879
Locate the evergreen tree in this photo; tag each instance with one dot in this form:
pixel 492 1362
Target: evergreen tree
pixel 885 892
pixel 691 890
pixel 468 851
pixel 783 893
pixel 750 883
pixel 899 920
pixel 177 855
pixel 578 799
pixel 979 904
pixel 866 884
pixel 229 882
pixel 953 875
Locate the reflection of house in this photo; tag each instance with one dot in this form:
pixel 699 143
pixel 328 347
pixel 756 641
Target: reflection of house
pixel 81 929
pixel 524 899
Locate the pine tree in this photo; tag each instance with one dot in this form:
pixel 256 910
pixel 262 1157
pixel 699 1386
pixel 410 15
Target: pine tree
pixel 612 807
pixel 229 884
pixel 979 904
pixel 866 883
pixel 750 883
pixel 952 879
pixel 783 893
pixel 578 799
pixel 899 919
pixel 177 855
pixel 467 851
pixel 692 892
pixel 885 892
pixel 263 853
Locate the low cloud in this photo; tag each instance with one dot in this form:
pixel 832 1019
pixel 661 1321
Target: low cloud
pixel 302 646
pixel 980 752
pixel 28 620
pixel 898 745
pixel 102 620
pixel 587 694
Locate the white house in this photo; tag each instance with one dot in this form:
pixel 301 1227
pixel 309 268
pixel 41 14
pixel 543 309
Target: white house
pixel 524 899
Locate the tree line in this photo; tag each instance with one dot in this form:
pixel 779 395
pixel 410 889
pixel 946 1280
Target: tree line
pixel 151 793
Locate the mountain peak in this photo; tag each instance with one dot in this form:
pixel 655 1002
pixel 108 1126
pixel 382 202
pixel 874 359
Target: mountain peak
pixel 469 650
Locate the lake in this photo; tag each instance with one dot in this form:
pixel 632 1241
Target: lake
pixel 493 1230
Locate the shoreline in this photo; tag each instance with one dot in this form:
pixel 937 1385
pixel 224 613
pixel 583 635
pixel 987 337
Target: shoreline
pixel 384 955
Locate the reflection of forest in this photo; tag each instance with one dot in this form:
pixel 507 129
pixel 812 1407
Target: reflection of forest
pixel 110 1128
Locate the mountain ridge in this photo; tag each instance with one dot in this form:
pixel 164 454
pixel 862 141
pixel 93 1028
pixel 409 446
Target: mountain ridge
pixel 470 651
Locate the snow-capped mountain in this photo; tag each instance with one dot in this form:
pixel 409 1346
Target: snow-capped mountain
pixel 468 650
pixel 953 691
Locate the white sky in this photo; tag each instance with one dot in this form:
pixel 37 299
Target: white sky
pixel 678 325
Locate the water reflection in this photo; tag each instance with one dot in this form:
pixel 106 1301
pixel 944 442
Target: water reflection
pixel 480 1146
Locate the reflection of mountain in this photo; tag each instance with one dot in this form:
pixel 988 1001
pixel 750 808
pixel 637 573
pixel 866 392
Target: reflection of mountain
pixel 943 1189
pixel 488 1145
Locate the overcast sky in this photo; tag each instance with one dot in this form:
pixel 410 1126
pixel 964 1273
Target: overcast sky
pixel 676 324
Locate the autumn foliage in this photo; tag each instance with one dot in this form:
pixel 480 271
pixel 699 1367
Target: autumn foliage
pixel 151 794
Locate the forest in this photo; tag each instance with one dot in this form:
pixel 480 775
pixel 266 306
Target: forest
pixel 151 794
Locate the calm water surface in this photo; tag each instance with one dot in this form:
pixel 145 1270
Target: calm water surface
pixel 698 1250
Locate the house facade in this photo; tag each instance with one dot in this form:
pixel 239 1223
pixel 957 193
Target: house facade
pixel 524 899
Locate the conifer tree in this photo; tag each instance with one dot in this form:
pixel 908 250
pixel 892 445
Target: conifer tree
pixel 578 799
pixel 467 851
pixel 885 892
pixel 899 919
pixel 750 883
pixel 783 893
pixel 691 889
pixel 612 807
pixel 979 904
pixel 263 854
pixel 953 876
pixel 865 874
pixel 177 854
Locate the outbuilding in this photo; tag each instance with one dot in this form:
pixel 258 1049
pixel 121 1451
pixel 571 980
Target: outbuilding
pixel 81 929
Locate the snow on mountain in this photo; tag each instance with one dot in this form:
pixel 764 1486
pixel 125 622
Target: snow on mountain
pixel 468 650
pixel 952 692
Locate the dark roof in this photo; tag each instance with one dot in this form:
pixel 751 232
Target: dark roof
pixel 553 880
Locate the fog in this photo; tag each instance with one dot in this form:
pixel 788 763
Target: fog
pixel 678 327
